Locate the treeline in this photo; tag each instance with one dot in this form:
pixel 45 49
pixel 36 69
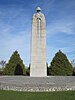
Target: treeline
pixel 60 65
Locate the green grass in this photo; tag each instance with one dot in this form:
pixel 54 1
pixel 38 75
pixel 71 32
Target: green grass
pixel 12 95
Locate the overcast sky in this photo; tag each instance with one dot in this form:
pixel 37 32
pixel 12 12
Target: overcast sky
pixel 15 27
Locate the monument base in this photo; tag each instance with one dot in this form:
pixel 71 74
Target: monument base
pixel 38 84
pixel 38 72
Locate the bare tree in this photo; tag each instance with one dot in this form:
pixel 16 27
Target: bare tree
pixel 2 63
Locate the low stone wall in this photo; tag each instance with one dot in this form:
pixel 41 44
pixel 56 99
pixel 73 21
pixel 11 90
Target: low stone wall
pixel 36 89
pixel 58 83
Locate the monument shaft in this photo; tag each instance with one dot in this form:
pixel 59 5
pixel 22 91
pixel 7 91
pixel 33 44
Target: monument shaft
pixel 38 46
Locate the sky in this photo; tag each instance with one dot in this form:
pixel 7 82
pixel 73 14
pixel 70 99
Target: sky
pixel 16 21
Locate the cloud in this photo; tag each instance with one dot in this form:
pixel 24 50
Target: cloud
pixel 61 25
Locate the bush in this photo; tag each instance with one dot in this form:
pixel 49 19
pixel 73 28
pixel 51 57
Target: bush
pixel 1 72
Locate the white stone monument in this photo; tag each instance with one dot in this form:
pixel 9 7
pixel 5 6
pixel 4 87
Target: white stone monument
pixel 38 66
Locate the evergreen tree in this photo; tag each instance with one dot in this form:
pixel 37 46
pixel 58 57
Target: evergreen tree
pixel 47 69
pixel 15 65
pixel 28 71
pixel 74 71
pixel 60 65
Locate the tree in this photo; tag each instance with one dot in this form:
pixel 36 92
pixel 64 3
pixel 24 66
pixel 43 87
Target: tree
pixel 2 63
pixel 74 71
pixel 60 65
pixel 47 69
pixel 1 72
pixel 73 62
pixel 18 70
pixel 15 65
pixel 28 71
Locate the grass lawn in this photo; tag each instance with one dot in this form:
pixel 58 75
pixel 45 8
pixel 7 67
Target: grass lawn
pixel 12 95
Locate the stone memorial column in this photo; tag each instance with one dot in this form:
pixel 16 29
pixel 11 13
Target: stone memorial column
pixel 38 66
